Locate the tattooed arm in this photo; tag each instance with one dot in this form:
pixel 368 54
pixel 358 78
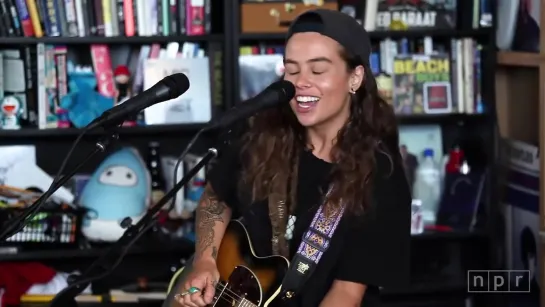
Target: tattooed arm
pixel 211 221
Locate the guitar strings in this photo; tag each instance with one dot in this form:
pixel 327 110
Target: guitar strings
pixel 228 290
pixel 230 294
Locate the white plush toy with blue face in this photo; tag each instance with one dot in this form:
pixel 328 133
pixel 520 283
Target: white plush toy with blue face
pixel 119 188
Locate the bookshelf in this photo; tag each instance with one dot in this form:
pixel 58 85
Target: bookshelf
pixel 518 59
pixel 520 86
pixel 53 143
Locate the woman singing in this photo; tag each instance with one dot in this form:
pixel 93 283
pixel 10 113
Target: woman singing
pixel 334 146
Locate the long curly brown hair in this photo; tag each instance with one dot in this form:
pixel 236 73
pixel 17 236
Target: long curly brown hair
pixel 272 144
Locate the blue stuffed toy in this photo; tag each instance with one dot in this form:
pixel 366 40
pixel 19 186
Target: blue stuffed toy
pixel 120 187
pixel 83 102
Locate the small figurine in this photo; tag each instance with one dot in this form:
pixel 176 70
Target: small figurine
pixel 122 78
pixel 12 109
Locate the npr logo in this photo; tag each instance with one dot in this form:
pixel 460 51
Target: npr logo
pixel 498 281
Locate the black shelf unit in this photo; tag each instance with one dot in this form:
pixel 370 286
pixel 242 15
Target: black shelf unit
pixel 133 40
pixel 180 247
pixel 231 39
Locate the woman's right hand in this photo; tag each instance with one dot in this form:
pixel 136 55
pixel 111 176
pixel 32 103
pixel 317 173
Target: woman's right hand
pixel 204 276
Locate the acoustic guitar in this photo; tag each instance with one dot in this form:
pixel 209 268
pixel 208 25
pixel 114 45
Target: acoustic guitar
pixel 246 280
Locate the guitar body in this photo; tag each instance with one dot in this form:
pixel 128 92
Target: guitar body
pixel 245 278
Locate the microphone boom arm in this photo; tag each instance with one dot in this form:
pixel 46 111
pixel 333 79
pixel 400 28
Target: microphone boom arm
pixel 19 222
pixel 106 263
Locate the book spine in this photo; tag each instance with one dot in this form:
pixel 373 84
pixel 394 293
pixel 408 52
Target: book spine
pixel 52 101
pixel 114 17
pixel 102 66
pixel 107 18
pixel 71 17
pixel 15 18
pixel 32 101
pixel 52 19
pixel 120 17
pixel 5 19
pixel 81 21
pixel 91 16
pixel 35 18
pixel 99 18
pixel 195 17
pixel 128 9
pixel 62 85
pixel 42 15
pixel 41 80
pixel 173 17
pixel 24 16
pixel 182 20
pixel 159 16
pixel 60 11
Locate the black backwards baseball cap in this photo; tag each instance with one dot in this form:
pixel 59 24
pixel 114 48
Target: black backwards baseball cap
pixel 338 26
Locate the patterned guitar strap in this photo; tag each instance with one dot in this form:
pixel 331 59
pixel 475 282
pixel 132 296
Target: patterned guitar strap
pixel 314 244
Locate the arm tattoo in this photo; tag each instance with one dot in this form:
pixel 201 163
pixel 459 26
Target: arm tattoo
pixel 208 212
pixel 215 252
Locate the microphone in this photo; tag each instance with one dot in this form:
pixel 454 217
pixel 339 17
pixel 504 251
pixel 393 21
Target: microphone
pixel 277 93
pixel 170 87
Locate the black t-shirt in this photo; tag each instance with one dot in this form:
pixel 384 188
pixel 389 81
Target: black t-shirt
pixel 372 250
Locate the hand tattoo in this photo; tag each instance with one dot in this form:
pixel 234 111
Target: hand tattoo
pixel 214 252
pixel 208 213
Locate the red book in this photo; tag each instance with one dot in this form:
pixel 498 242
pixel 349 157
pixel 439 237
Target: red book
pixel 102 65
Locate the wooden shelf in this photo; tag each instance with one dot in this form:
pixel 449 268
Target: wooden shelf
pixel 475 33
pixel 456 235
pixel 518 59
pixel 429 287
pixel 420 119
pixel 182 247
pixel 193 128
pixel 134 40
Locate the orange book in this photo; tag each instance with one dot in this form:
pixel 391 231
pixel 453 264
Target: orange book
pixel 35 18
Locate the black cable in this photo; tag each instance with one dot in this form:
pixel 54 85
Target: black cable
pixel 120 258
pixel 180 160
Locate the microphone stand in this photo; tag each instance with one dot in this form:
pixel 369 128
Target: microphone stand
pixel 20 220
pixel 106 263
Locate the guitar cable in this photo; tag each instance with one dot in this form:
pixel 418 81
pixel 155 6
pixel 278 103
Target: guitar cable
pixel 179 161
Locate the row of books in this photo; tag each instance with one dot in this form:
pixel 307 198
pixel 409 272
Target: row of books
pixel 385 15
pixel 416 76
pixel 56 92
pixel 427 77
pixel 37 18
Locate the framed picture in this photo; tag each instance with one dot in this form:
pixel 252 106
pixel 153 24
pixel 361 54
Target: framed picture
pixel 437 97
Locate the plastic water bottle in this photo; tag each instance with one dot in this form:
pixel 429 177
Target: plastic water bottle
pixel 427 187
